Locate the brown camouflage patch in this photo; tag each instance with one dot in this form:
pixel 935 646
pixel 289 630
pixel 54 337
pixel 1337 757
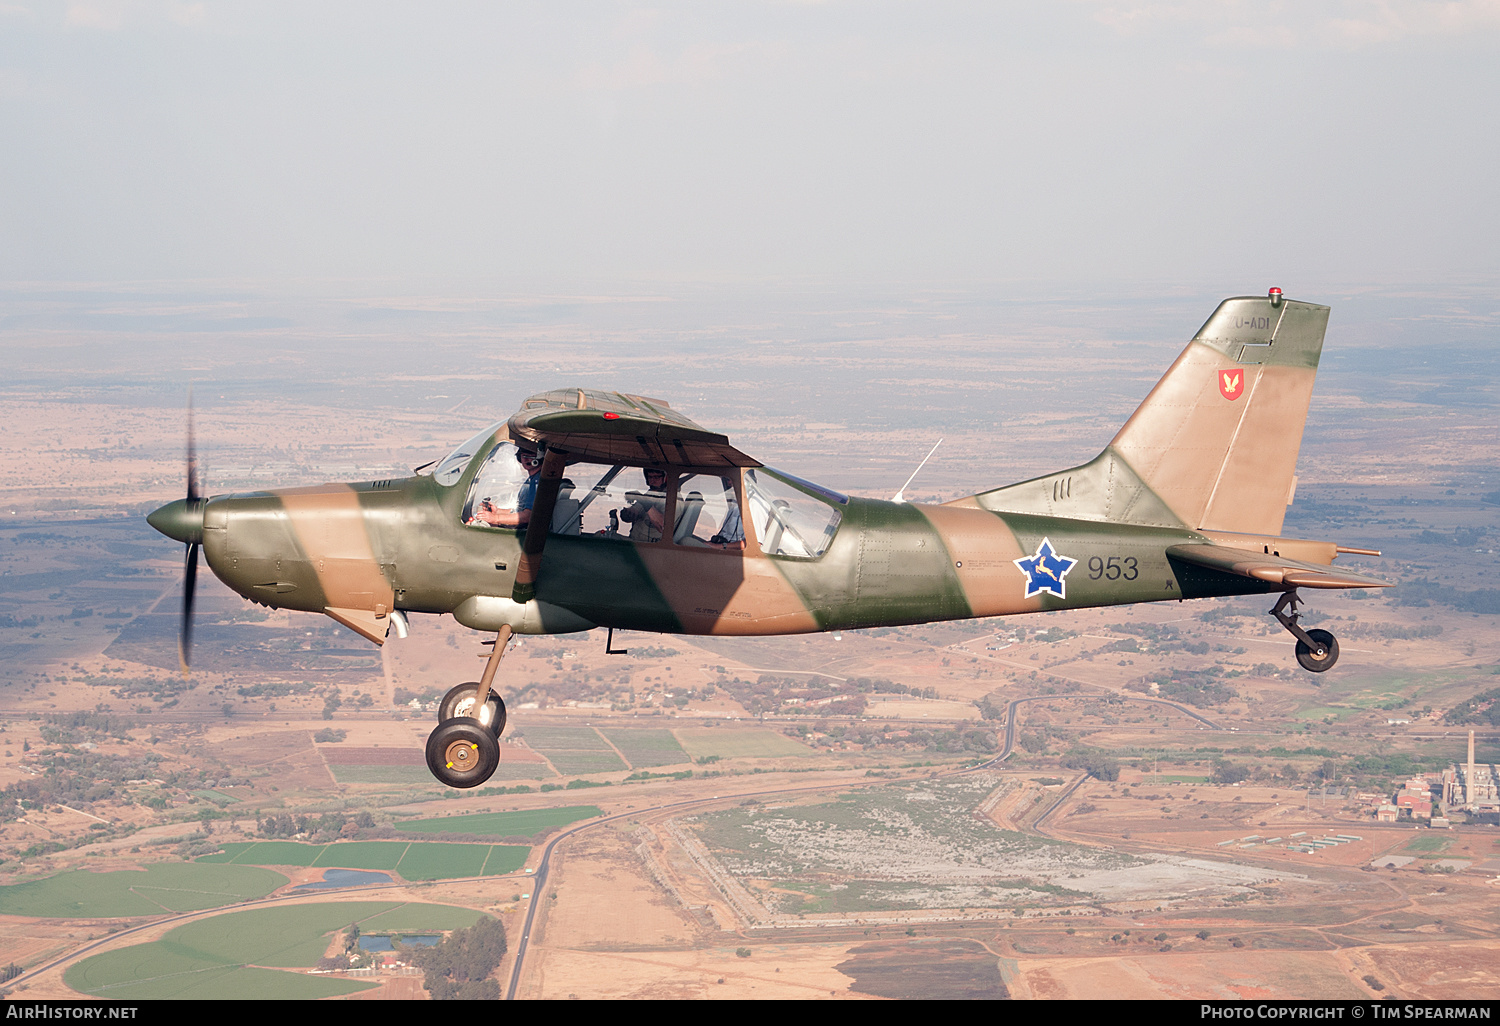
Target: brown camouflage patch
pixel 726 592
pixel 330 528
pixel 984 552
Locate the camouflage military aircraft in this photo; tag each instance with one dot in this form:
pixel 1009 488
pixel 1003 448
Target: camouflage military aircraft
pixel 1186 502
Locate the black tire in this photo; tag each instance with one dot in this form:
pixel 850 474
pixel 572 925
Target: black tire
pixel 458 703
pixel 462 753
pixel 1310 660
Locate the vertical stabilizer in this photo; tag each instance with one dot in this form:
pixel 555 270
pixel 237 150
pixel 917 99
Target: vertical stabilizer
pixel 1214 446
pixel 1217 439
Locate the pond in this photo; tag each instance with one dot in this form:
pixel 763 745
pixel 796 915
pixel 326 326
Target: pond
pixel 344 878
pixel 373 942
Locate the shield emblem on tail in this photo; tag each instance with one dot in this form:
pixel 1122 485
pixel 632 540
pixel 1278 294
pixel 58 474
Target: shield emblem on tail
pixel 1232 383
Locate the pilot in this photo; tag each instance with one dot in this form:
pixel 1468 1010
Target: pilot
pixel 647 512
pixel 521 515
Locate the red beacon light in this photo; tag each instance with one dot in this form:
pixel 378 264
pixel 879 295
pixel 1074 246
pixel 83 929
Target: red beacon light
pixel 611 416
pixel 1275 296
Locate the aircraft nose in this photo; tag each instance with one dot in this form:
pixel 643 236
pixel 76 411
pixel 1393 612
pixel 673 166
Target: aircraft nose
pixel 181 520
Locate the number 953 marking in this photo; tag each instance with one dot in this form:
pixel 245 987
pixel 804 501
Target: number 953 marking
pixel 1113 568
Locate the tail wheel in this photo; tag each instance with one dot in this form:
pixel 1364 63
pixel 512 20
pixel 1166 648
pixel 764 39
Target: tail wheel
pixel 459 704
pixel 1311 660
pixel 462 753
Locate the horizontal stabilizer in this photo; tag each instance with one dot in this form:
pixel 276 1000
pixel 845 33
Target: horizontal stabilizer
pixel 1277 570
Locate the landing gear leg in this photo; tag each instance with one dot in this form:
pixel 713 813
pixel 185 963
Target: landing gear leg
pixel 464 750
pixel 1317 650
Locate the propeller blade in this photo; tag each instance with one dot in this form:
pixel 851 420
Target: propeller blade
pixel 192 455
pixel 189 582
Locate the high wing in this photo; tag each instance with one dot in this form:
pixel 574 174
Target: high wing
pixel 1271 567
pixel 615 427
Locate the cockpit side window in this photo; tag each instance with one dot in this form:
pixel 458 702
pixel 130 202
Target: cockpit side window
pixel 452 468
pixel 788 521
pixel 497 485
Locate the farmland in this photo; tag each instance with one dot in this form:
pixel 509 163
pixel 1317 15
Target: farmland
pixel 150 890
pixel 411 860
pixel 229 956
pixel 504 824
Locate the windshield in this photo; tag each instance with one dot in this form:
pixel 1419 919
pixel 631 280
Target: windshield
pixel 452 468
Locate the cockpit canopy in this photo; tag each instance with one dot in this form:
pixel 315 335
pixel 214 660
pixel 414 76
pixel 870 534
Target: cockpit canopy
pixel 626 487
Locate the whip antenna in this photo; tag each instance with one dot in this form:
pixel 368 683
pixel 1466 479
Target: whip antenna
pixel 900 495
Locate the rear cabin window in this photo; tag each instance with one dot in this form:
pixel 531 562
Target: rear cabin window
pixel 608 501
pixel 788 521
pixel 708 513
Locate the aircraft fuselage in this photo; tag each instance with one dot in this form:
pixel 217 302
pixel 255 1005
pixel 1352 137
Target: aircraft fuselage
pixel 382 546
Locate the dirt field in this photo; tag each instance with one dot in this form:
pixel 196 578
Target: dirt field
pixel 1237 977
pixel 784 972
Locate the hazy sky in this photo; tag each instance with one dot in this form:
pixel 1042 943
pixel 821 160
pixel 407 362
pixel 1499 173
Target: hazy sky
pixel 1189 141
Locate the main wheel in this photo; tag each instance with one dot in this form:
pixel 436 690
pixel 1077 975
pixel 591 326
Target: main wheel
pixel 1310 659
pixel 459 703
pixel 462 753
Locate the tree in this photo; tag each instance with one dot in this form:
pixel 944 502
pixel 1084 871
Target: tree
pixel 1229 773
pixel 457 969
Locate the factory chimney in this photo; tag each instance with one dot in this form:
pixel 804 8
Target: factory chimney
pixel 1469 777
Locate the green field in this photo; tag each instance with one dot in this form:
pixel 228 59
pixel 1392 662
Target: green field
pixel 522 823
pixel 701 742
pixel 412 860
pixel 363 854
pixel 504 858
pixel 443 861
pixel 414 918
pixel 1318 712
pixel 646 748
pixel 161 887
pixel 544 739
pixel 270 853
pixel 573 763
pixel 219 958
pixel 573 750
pixel 421 775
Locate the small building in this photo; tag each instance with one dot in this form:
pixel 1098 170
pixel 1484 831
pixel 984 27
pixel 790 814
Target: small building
pixel 1387 813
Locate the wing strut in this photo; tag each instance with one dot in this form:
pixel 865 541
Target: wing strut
pixel 537 529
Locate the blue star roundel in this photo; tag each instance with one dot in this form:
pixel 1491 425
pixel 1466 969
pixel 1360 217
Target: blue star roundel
pixel 1046 570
